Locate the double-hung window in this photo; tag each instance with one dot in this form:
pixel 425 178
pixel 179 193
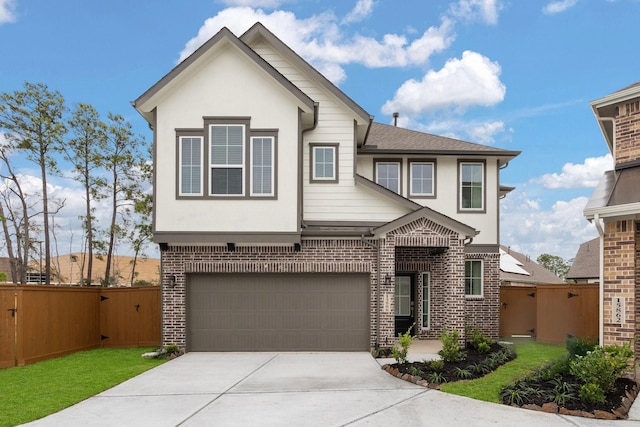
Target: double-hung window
pixel 262 166
pixel 190 173
pixel 227 159
pixel 388 175
pixel 473 278
pixel 324 163
pixel 471 180
pixel 422 178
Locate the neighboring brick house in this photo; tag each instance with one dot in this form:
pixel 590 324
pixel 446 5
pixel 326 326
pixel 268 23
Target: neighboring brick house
pixel 517 269
pixel 288 220
pixel 586 265
pixel 615 209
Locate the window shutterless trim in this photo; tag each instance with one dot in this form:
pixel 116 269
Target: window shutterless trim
pixel 312 167
pixel 389 161
pixel 188 133
pixel 272 135
pixel 205 134
pixel 244 160
pixel 481 294
pixel 434 174
pixel 483 163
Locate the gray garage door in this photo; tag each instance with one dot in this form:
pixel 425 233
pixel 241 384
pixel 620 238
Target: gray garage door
pixel 277 312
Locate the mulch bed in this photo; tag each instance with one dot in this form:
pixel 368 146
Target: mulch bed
pixel 617 405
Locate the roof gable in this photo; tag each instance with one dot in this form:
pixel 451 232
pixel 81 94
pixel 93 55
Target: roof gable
pixel 427 213
pixel 586 264
pixel 259 31
pixel 146 102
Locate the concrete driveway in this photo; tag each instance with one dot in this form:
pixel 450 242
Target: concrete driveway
pixel 292 389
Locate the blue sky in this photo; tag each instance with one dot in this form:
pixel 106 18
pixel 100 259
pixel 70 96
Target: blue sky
pixel 512 74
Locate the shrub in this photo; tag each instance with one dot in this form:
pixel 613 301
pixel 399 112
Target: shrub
pixel 580 346
pixel 478 340
pixel 437 365
pixel 602 366
pixel 404 341
pixel 451 350
pixel 592 393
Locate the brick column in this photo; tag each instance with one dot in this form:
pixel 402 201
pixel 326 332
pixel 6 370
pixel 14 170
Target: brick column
pixel 387 290
pixel 619 281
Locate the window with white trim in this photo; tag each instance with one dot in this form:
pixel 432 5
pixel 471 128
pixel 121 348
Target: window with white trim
pixel 262 166
pixel 388 175
pixel 473 283
pixel 472 186
pixel 324 163
pixel 421 179
pixel 190 173
pixel 227 159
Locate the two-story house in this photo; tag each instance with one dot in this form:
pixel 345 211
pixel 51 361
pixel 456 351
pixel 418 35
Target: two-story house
pixel 288 220
pixel 614 207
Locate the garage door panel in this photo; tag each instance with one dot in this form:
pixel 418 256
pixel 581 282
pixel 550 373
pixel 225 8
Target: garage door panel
pixel 297 312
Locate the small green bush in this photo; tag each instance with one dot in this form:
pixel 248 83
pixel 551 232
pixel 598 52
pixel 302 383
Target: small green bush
pixel 437 365
pixel 404 341
pixel 580 346
pixel 592 393
pixel 603 366
pixel 451 349
pixel 478 340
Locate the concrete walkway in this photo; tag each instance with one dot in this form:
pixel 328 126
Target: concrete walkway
pixel 292 389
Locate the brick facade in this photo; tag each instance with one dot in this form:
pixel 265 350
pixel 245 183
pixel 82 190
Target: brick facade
pixel 419 247
pixel 628 133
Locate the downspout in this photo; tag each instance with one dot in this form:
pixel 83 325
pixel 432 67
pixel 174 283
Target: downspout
pixel 596 219
pixel 316 107
pixel 378 292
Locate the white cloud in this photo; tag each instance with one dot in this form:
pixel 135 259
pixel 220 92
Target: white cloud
pixel 472 10
pixel 360 12
pixel 558 6
pixel 484 133
pixel 532 230
pixel 320 40
pixel 585 175
pixel 7 13
pixel 469 81
pixel 253 3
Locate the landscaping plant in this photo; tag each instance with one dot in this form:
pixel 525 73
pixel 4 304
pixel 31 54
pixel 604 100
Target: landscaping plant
pixel 451 349
pixel 401 350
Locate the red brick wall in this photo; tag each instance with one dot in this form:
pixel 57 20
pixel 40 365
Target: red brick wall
pixel 620 272
pixel 628 133
pixel 485 312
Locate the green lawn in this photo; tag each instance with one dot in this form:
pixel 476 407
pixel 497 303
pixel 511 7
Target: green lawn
pixel 530 355
pixel 34 391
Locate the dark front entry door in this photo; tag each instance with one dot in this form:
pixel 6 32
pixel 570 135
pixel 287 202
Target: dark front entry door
pixel 404 308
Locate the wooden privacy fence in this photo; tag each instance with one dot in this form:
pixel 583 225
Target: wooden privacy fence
pixel 550 313
pixel 41 322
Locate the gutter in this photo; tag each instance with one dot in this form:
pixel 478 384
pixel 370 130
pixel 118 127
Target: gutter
pixel 596 219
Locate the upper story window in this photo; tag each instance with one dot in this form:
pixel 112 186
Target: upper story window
pixel 422 178
pixel 388 175
pixel 471 186
pixel 324 163
pixel 227 159
pixel 473 283
pixel 262 166
pixel 190 158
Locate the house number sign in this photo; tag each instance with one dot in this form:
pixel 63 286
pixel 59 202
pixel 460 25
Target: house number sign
pixel 618 310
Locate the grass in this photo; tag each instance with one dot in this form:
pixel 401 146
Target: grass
pixel 530 355
pixel 34 391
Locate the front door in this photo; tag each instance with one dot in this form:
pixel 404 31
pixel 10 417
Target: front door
pixel 404 304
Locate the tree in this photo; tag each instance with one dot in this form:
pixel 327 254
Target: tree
pixel 122 163
pixel 84 150
pixel 33 121
pixel 554 264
